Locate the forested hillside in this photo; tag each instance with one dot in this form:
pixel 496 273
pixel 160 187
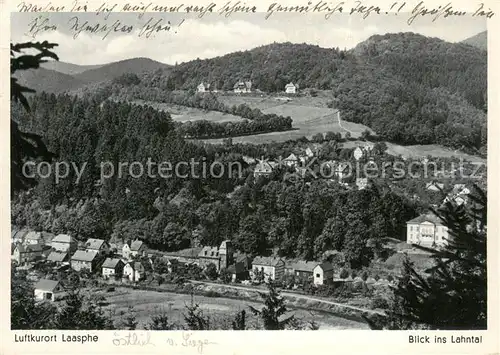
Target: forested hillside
pixel 479 41
pixel 408 88
pixel 169 213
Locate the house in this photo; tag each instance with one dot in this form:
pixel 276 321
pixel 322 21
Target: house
pixel 134 271
pixel 434 186
pixel 238 271
pixel 291 160
pixel 273 268
pixel 291 88
pixel 203 87
pixel 323 274
pixel 33 238
pixel 85 259
pixel 58 257
pixel 263 168
pixel 137 247
pixel 98 245
pixel 426 230
pixel 361 183
pixel 309 152
pixel 358 153
pixel 27 253
pixel 303 270
pixel 64 243
pixel 248 160
pixel 17 235
pixel 342 171
pixel 112 267
pixel 242 87
pixel 221 257
pixel 459 194
pixel 49 290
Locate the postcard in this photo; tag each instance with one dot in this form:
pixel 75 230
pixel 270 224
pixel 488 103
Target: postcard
pixel 250 177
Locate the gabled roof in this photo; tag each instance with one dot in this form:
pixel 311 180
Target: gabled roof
pixel 266 261
pixel 429 217
pixel 136 245
pixel 46 285
pixel 84 255
pixel 56 256
pixel 290 84
pixel 110 263
pixel 63 238
pixel 325 266
pixel 263 167
pixel 94 244
pixel 33 235
pixel 291 157
pixel 305 266
pixel 29 248
pixel 136 266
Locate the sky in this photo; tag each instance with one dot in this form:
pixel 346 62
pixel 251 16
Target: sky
pixel 190 37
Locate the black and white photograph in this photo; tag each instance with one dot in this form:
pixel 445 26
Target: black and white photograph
pixel 208 169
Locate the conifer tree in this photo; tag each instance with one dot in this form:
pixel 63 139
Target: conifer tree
pixel 274 309
pixel 453 293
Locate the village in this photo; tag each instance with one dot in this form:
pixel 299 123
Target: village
pixel 132 261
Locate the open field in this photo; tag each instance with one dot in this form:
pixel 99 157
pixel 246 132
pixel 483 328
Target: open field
pixel 310 116
pixel 146 303
pixel 183 113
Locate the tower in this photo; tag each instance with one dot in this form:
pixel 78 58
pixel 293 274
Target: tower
pixel 226 254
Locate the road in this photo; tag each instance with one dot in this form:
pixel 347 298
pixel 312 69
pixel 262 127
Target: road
pixel 295 295
pixel 340 123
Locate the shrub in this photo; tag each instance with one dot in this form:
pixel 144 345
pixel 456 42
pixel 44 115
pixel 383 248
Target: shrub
pixel 364 276
pixel 354 274
pixel 344 274
pixel 390 278
pixel 379 302
pixel 376 277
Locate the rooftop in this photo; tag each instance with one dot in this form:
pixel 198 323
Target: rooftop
pixel 111 263
pixel 429 217
pixel 94 244
pixel 84 255
pixel 63 238
pixel 266 261
pixel 57 256
pixel 46 285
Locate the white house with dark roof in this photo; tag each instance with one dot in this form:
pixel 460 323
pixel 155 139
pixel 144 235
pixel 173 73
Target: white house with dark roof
pixel 426 230
pixel 112 267
pixel 134 271
pixel 323 273
pixel 64 243
pixel 49 290
pixel 272 267
pixel 84 259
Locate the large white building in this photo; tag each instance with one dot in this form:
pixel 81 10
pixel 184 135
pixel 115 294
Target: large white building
pixel 426 230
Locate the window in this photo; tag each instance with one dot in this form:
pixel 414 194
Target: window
pixel 318 275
